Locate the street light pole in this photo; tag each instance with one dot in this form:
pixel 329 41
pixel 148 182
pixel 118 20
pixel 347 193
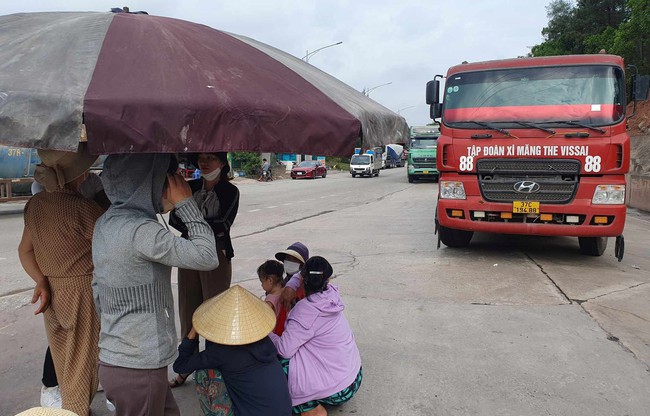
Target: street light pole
pixel 405 108
pixel 366 91
pixel 310 54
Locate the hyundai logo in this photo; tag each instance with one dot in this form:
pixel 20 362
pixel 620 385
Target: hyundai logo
pixel 527 187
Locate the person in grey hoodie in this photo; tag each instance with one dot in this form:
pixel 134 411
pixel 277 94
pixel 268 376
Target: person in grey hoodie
pixel 133 255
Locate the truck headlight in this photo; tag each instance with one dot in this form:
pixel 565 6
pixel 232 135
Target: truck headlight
pixel 609 195
pixel 452 190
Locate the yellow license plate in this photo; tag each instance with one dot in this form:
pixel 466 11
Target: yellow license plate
pixel 525 207
pixel 426 172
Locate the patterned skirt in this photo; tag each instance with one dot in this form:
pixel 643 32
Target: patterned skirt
pixel 213 395
pixel 333 400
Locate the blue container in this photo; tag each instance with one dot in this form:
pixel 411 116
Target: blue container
pixel 16 162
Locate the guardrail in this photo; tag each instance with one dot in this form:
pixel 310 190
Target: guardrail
pixel 638 192
pixel 6 191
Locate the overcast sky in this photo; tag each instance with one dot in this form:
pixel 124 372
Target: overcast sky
pixel 404 42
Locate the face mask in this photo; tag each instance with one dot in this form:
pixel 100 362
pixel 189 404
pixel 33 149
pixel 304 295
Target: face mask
pixel 212 175
pixel 291 267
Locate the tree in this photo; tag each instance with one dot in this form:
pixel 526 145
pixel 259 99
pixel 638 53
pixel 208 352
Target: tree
pixel 585 27
pixel 249 162
pixel 632 39
pixel 561 35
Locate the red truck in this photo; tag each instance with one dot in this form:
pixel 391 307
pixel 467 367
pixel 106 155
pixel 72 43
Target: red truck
pixel 534 146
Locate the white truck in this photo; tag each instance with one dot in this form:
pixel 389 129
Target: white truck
pixel 393 156
pixel 367 164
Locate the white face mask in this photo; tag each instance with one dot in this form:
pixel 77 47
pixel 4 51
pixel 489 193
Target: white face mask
pixel 212 175
pixel 291 267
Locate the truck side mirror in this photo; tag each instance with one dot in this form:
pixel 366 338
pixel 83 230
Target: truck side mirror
pixel 433 92
pixel 433 97
pixel 435 111
pixel 641 85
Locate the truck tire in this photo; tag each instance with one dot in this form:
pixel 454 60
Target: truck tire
pixel 354 175
pixel 377 174
pixel 410 178
pixel 454 238
pixel 592 246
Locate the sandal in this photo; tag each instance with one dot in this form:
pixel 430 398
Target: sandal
pixel 179 380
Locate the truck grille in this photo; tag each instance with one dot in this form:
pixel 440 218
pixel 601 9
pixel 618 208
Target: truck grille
pixel 557 179
pixel 424 162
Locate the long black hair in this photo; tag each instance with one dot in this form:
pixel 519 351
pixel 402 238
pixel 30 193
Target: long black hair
pixel 223 158
pixel 315 275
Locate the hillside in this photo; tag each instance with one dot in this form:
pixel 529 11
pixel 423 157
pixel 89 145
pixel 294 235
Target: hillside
pixel 639 130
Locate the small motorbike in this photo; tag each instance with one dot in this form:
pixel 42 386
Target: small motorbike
pixel 266 176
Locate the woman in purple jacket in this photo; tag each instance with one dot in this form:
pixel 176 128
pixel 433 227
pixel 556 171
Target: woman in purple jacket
pixel 321 358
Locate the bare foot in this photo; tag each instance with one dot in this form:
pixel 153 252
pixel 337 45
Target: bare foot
pixel 317 411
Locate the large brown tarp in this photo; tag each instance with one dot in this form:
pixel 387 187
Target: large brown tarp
pixel 154 84
pixel 46 62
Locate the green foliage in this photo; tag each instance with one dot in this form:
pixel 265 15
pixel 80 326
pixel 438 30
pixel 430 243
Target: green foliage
pixel 632 40
pixel 339 163
pixel 562 33
pixel 604 40
pixel 621 27
pixel 247 161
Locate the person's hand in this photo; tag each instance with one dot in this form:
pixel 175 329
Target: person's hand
pixel 288 295
pixel 177 189
pixel 192 334
pixel 42 292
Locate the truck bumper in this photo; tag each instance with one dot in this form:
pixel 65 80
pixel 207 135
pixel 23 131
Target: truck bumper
pixel 423 172
pixel 476 214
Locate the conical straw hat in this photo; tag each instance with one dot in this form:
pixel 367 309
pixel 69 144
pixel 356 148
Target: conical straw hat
pixel 46 411
pixel 235 317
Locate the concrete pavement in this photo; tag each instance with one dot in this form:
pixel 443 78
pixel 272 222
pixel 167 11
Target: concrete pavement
pixel 510 325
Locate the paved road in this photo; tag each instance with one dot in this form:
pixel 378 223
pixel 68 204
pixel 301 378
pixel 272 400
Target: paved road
pixel 510 325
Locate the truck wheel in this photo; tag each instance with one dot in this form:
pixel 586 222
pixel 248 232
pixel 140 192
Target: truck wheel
pixel 592 246
pixel 455 238
pixel 377 174
pixel 354 175
pixel 410 178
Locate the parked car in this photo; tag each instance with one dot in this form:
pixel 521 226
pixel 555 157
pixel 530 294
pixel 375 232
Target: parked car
pixel 308 169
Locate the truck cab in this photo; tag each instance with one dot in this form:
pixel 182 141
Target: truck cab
pixel 422 153
pixel 534 146
pixel 367 164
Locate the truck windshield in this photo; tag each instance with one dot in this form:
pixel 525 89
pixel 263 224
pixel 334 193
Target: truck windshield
pixel 548 96
pixel 360 160
pixel 422 143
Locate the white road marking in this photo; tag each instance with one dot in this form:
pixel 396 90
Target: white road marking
pixel 272 206
pixel 253 210
pixel 288 203
pixel 323 197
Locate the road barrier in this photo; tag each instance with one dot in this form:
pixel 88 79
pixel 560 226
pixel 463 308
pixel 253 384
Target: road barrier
pixel 638 192
pixel 6 189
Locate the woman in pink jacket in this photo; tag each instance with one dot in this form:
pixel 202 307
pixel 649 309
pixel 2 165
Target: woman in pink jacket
pixel 321 358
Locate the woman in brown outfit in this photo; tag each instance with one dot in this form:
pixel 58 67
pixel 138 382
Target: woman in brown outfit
pixel 218 200
pixel 55 251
